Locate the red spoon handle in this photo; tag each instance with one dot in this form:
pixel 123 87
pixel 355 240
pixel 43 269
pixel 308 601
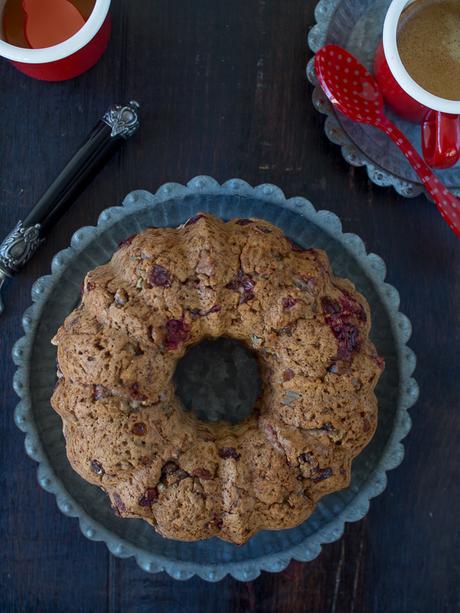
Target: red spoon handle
pixel 448 205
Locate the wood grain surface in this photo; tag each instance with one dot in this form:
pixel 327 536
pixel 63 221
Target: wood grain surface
pixel 223 89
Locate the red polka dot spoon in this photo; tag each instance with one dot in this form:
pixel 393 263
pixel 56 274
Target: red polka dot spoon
pixel 356 94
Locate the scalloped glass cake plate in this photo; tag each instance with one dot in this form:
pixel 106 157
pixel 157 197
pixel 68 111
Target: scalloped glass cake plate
pixel 54 296
pixel 357 25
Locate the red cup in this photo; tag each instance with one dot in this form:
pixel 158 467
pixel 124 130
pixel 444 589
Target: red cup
pixel 438 117
pixel 70 58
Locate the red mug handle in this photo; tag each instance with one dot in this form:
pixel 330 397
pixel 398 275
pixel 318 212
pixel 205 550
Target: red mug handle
pixel 441 139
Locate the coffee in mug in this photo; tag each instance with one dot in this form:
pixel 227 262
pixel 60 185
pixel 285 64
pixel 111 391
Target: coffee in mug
pixel 428 41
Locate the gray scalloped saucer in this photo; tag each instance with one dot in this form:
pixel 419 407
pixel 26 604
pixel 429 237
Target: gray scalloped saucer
pixel 54 296
pixel 357 25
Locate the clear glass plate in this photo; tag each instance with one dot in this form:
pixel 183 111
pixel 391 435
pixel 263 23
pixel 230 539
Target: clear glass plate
pixel 357 25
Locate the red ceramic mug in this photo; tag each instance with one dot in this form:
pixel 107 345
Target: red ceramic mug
pixel 439 118
pixel 70 58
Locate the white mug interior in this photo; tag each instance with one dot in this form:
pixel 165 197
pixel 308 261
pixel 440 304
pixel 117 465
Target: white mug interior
pixel 411 87
pixel 62 50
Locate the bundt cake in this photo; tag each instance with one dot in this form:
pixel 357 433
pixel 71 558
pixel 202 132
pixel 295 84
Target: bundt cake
pixel 165 290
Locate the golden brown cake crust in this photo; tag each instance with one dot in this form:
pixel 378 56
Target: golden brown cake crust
pixel 167 289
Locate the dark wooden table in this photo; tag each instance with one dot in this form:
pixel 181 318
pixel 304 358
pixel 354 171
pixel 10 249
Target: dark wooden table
pixel 223 90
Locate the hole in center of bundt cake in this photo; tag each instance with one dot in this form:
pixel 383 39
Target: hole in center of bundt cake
pixel 218 380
